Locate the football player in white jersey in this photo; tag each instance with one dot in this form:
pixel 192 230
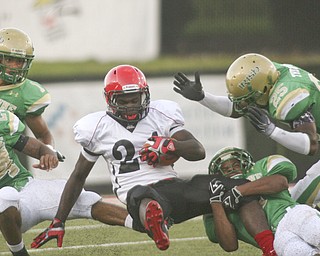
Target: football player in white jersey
pixel 154 195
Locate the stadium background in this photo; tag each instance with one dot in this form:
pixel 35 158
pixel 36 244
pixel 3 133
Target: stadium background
pixel 76 42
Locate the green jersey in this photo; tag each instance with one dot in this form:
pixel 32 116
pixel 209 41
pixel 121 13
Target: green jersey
pixel 274 205
pixel 295 92
pixel 12 172
pixel 26 98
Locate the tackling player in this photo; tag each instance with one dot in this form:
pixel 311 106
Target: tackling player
pixel 296 227
pixel 257 86
pixel 154 195
pixel 26 98
pixel 26 201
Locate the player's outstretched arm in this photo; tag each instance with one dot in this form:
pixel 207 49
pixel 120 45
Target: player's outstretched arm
pixel 303 140
pixel 191 90
pixel 69 196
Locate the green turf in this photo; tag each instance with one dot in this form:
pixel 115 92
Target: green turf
pixel 88 237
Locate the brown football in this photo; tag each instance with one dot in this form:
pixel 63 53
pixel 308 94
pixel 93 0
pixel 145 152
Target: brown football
pixel 168 159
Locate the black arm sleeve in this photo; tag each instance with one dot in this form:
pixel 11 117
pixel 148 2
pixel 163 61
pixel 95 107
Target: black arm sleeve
pixel 22 141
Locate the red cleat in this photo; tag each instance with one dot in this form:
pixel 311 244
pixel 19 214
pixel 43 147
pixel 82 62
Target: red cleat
pixel 155 225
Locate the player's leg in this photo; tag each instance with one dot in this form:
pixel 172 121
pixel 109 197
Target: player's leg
pixel 88 205
pixel 250 212
pixel 306 191
pixel 10 220
pixel 148 209
pixel 298 231
pixel 108 213
pixel 288 243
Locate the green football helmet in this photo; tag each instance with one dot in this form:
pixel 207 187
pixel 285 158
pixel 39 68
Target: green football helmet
pixel 226 154
pixel 15 47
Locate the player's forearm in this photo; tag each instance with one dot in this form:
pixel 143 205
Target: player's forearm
pixel 191 150
pixel 69 197
pixel 219 104
pixel 224 229
pixel 265 185
pixel 35 148
pixel 296 141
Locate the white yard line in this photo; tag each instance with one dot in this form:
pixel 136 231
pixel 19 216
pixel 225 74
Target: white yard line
pixel 107 245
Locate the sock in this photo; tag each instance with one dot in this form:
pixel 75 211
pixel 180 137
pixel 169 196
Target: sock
pixel 128 221
pixel 16 247
pixel 265 240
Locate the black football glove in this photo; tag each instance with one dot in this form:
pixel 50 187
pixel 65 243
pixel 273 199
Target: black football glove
pixel 60 156
pixel 191 90
pixel 231 199
pixel 216 191
pixel 260 120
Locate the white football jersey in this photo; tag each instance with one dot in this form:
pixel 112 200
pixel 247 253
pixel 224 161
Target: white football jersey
pixel 102 135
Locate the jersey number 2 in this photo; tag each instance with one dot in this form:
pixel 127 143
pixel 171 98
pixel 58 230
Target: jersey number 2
pixel 130 164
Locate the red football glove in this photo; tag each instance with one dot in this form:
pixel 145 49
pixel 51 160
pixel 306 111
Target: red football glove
pixel 160 146
pixel 55 230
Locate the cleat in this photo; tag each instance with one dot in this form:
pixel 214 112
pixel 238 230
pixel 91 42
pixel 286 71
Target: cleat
pixel 155 225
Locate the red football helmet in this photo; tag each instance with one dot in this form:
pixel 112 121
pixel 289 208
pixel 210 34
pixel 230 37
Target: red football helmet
pixel 122 81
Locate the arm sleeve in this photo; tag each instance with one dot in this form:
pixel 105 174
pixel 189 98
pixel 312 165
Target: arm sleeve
pixel 219 104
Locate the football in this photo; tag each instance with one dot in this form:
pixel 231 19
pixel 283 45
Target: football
pixel 168 159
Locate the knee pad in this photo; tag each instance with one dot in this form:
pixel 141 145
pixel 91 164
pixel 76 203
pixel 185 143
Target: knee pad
pixel 135 195
pixel 9 196
pixel 83 205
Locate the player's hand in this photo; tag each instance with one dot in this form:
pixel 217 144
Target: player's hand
pixel 55 230
pixel 216 191
pixel 47 162
pixel 157 146
pixel 59 155
pixel 191 90
pixel 231 199
pixel 260 120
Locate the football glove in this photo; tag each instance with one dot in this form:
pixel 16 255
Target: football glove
pixel 60 156
pixel 191 90
pixel 157 146
pixel 260 120
pixel 231 199
pixel 55 230
pixel 216 191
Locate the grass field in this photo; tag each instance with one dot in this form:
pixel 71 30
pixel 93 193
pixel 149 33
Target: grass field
pixel 88 237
